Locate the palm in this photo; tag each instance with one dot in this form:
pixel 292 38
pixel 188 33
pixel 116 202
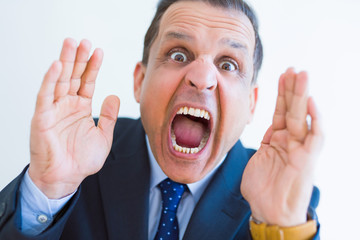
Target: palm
pixel 65 144
pixel 277 181
pixel 71 139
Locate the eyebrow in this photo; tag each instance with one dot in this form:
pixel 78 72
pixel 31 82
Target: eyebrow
pixel 234 44
pixel 224 41
pixel 178 35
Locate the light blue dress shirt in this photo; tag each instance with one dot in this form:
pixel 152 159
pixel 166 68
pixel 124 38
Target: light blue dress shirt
pixel 37 211
pixel 188 200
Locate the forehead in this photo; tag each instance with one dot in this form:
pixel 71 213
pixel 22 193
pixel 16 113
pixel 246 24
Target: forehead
pixel 195 19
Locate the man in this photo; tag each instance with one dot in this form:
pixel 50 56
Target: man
pixel 197 90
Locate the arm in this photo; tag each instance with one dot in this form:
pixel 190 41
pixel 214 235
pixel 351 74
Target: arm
pixel 37 211
pixel 65 144
pixel 308 230
pixel 10 215
pixel 278 180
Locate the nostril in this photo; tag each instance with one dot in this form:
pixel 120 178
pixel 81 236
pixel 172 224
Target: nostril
pixel 212 87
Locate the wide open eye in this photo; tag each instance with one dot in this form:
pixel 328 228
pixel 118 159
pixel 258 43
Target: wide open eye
pixel 178 57
pixel 227 66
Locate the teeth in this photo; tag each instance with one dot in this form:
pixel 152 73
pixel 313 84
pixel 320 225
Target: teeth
pixel 207 116
pixel 196 112
pixel 181 110
pixel 186 149
pixel 191 111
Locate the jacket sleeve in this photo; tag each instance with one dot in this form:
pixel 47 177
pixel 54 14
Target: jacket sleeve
pixel 10 214
pixel 314 202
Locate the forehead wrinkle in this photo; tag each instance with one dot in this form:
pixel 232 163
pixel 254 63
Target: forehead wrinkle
pixel 211 22
pixel 179 30
pixel 234 21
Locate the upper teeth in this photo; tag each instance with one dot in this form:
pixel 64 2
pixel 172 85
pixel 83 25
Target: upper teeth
pixel 196 112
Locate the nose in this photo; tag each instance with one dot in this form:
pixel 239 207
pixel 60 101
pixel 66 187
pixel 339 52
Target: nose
pixel 201 75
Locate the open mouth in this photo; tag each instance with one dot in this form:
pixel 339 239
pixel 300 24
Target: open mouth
pixel 190 130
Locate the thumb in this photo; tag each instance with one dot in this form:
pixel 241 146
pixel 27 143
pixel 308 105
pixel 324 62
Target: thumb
pixel 267 136
pixel 108 116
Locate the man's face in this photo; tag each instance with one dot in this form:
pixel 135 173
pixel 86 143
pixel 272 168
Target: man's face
pixel 195 94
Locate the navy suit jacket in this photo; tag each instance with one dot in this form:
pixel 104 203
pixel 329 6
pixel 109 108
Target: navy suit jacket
pixel 114 203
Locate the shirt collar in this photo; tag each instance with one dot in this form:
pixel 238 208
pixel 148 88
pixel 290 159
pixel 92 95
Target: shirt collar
pixel 157 175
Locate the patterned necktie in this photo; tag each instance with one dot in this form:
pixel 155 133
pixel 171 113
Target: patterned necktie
pixel 171 195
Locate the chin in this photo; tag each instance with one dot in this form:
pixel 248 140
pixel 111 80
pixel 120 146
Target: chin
pixel 184 171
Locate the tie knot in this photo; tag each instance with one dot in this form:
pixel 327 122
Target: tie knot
pixel 171 194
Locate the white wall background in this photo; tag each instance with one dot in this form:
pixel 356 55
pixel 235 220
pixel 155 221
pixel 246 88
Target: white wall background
pixel 320 36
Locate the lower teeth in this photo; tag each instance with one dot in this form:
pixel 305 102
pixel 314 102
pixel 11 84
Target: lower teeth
pixel 186 149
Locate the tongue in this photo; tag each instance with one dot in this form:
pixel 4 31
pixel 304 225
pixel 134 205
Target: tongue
pixel 188 132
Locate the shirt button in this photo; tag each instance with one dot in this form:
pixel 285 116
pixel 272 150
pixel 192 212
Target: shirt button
pixel 42 218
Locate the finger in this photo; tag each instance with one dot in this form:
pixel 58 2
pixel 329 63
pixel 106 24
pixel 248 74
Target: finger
pixel 289 85
pixel 267 136
pixel 108 117
pixel 45 97
pixel 87 86
pixel 296 116
pixel 81 60
pixel 315 138
pixel 279 118
pixel 67 57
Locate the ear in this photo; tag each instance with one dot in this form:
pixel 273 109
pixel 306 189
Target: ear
pixel 139 75
pixel 253 100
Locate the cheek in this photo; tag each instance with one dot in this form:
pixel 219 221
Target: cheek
pixel 162 86
pixel 235 109
pixel 238 113
pixel 157 94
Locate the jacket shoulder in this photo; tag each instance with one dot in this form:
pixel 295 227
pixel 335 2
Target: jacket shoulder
pixel 8 199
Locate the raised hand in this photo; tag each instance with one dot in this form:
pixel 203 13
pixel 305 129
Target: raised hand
pixel 65 144
pixel 278 179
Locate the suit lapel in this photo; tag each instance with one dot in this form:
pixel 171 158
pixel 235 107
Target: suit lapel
pixel 222 211
pixel 124 185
